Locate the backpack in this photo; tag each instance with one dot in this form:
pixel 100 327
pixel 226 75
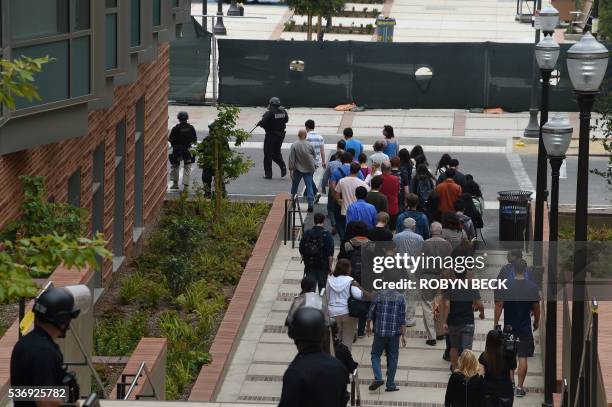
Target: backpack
pixel 313 248
pixel 476 202
pixel 423 189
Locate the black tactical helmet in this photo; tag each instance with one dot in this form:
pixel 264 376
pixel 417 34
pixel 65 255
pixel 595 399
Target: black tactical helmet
pixel 182 116
pixel 307 325
pixel 55 305
pixel 275 101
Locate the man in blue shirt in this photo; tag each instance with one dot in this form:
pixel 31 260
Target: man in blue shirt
pixel 352 143
pixel 388 311
pixel 360 210
pixel 422 223
pixel 518 302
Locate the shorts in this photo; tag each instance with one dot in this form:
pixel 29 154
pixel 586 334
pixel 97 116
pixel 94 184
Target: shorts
pixel 461 336
pixel 526 345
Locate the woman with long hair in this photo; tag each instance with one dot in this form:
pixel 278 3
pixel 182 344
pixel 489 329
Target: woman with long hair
pixel 405 162
pixel 465 386
pixel 416 152
pixel 443 164
pixel 391 145
pixel 471 187
pixel 498 366
pixel 432 207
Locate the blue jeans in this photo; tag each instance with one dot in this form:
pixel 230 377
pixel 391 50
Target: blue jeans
pixel 295 183
pixel 390 344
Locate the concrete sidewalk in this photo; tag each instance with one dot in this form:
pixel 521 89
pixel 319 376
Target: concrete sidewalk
pixel 407 123
pixel 264 351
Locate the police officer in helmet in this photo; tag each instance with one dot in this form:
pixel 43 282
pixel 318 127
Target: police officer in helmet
pixel 274 122
pixel 314 378
pixel 36 359
pixel 182 137
pixel 206 147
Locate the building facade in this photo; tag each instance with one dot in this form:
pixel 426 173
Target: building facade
pixel 98 134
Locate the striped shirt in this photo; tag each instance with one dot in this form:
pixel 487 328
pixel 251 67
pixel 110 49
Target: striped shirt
pixel 317 141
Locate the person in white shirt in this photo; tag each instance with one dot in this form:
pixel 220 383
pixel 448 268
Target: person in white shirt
pixel 338 286
pixel 345 189
pixel 378 157
pixel 375 171
pixel 318 143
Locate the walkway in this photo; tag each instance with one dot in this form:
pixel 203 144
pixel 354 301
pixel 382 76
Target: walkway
pixel 255 373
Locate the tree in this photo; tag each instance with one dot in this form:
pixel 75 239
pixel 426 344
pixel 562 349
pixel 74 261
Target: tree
pixel 17 79
pixel 214 151
pixel 605 19
pixel 306 8
pixel 46 235
pixel 327 9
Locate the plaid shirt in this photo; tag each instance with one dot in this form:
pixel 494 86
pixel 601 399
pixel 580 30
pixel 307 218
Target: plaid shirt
pixel 388 311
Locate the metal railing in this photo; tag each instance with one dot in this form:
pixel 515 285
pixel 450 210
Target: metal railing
pixel 590 391
pixel 294 228
pixel 355 392
pixel 122 394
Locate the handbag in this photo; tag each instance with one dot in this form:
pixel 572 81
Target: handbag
pixel 357 308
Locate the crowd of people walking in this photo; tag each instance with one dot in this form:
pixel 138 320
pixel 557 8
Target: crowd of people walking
pixel 395 196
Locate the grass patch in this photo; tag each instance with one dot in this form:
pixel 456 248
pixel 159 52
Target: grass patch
pixel 179 287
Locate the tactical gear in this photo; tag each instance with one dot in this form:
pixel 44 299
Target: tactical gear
pixel 274 101
pixel 182 116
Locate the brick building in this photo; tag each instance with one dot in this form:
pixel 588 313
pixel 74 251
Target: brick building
pixel 98 135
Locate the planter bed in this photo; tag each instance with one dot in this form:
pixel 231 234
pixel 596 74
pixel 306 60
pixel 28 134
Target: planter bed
pixel 178 288
pixel 366 29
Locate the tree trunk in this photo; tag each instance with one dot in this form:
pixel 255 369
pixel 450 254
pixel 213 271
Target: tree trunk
pixel 218 181
pixel 319 23
pixel 309 27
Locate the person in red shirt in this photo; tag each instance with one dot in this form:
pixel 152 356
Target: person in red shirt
pixel 390 188
pixel 449 192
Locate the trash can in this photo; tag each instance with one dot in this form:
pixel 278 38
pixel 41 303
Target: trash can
pixel 384 28
pixel 513 214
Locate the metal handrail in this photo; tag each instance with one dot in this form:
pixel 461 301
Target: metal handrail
pixel 121 386
pixel 290 220
pixel 587 390
pixel 355 390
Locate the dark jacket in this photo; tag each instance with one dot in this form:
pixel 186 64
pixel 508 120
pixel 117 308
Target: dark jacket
pixel 464 393
pixel 182 137
pixel 320 262
pixel 274 120
pixel 314 379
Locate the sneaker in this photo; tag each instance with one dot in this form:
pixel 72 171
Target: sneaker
pixel 521 392
pixel 431 342
pixel 283 171
pixel 267 176
pixel 375 385
pixel 317 197
pixel 310 209
pixel 174 186
pixel 392 389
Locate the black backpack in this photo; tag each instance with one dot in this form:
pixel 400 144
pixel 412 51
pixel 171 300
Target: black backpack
pixel 313 249
pixel 355 258
pixel 423 188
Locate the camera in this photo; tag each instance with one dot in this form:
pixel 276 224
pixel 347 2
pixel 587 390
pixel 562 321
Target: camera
pixel 510 340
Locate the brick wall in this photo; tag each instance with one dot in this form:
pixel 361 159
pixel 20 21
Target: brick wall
pixel 57 162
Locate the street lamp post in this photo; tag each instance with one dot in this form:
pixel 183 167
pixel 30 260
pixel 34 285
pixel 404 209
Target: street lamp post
pixel 587 61
pixel 546 55
pixel 557 135
pixel 219 28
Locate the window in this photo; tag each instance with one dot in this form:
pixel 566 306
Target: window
pixel 119 213
pixel 156 13
pixel 74 188
pixel 38 18
pixel 97 210
pixel 79 15
pixel 52 82
pixel 139 169
pixel 134 23
pixel 60 29
pixel 80 68
pixel 111 41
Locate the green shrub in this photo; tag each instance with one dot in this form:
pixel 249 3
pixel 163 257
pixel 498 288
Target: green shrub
pixel 118 335
pixel 179 272
pixel 138 288
pixel 198 293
